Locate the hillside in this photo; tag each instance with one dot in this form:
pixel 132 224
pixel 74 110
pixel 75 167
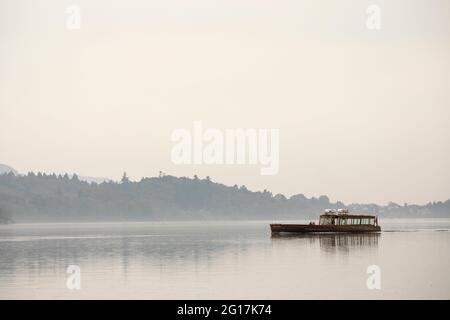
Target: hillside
pixel 6 169
pixel 41 197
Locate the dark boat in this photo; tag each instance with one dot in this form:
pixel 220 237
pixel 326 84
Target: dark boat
pixel 332 221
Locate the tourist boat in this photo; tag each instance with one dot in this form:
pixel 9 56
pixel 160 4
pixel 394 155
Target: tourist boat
pixel 332 221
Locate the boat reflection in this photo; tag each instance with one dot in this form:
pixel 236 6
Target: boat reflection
pixel 336 242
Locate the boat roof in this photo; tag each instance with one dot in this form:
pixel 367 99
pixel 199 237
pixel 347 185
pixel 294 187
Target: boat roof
pixel 347 215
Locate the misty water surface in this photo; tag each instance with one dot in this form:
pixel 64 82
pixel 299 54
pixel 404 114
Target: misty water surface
pixel 226 260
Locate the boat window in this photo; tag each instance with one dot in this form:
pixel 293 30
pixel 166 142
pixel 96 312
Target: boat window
pixel 354 221
pixel 326 220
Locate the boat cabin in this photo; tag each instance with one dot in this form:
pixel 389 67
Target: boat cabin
pixel 332 221
pixel 342 217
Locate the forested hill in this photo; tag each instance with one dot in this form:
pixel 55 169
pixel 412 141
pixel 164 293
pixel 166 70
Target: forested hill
pixel 41 197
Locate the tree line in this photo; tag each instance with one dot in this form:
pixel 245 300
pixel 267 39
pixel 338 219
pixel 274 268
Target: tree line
pixel 50 197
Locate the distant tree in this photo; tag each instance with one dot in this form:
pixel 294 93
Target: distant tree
pixel 75 178
pixel 125 179
pixel 324 200
pixel 298 197
pixel 280 197
pixel 340 204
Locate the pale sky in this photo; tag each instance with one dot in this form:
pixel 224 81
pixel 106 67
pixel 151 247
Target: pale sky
pixel 363 114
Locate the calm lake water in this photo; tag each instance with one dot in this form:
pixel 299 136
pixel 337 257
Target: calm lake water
pixel 222 260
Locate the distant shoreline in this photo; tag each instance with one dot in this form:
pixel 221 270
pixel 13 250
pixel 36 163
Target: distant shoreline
pixel 60 198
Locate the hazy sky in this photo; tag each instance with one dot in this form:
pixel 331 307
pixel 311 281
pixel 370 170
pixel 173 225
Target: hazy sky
pixel 363 114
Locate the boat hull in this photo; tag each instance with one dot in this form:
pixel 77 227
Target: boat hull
pixel 308 228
